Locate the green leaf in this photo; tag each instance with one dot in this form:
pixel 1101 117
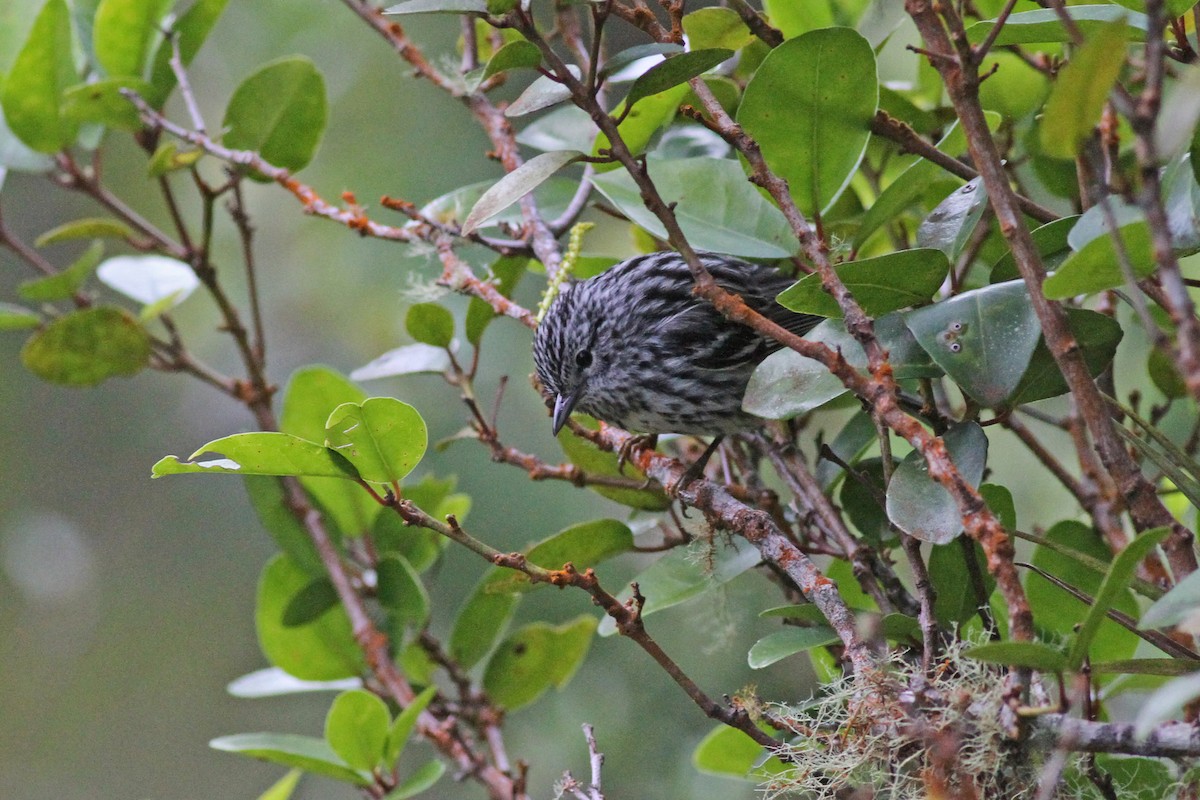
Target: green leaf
pixel 1058 612
pixel 86 228
pixel 1098 336
pixel 886 283
pixel 122 32
pixel 787 642
pixel 982 338
pixel 168 158
pixel 310 603
pixel 1116 583
pixel 1081 90
pixel 404 724
pixel 515 185
pixel 730 753
pixel 356 728
pixel 323 650
pixel 640 125
pixel 190 30
pixel 584 545
pixel 423 778
pixel 101 102
pixel 809 106
pixel 311 393
pixel 786 383
pixel 717 208
pixel 535 658
pixel 922 507
pixel 1044 25
pixel 438 7
pixel 430 323
pixel 481 621
pixel 542 93
pixel 594 461
pixel 566 128
pixel 291 750
pixel 270 503
pixel 1051 241
pixel 673 71
pixel 1034 655
pixel 282 789
pixel 677 577
pixel 514 55
pixel 1096 267
pixel 949 226
pixel 794 19
pixel 16 318
pixel 65 283
pixel 956 598
pixel 716 27
pixel 401 592
pixel 149 279
pixel 260 453
pixel 280 112
pixel 382 437
pixel 35 84
pixel 83 348
pixel 1147 666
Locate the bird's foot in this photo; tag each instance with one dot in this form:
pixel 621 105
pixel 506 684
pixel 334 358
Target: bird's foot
pixel 696 469
pixel 648 440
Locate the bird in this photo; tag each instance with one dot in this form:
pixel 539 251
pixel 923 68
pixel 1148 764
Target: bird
pixel 635 348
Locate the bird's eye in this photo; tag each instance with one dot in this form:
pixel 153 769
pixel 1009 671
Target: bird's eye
pixel 583 358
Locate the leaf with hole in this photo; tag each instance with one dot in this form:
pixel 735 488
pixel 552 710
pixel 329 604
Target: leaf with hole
pixel 982 338
pixel 382 437
pixel 86 347
pixel 535 658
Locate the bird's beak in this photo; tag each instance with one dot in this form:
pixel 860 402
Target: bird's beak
pixel 563 405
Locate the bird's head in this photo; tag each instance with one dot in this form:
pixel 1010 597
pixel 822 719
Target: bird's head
pixel 564 352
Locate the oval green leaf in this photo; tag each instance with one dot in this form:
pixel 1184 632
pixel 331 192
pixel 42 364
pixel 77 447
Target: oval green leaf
pixel 66 283
pixel 323 650
pixel 86 347
pixel 1096 266
pixel 592 460
pixel 921 506
pixel 787 642
pixel 1034 655
pixel 1081 91
pixel 717 208
pixel 584 545
pixel 887 283
pixel 1044 25
pixel 382 437
pixel 673 71
pixel 35 84
pixel 809 106
pixel 401 592
pixel 423 778
pixel 535 658
pixel 356 728
pixel 403 727
pixel 983 338
pixel 430 323
pixel 190 30
pixel 121 34
pixel 279 112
